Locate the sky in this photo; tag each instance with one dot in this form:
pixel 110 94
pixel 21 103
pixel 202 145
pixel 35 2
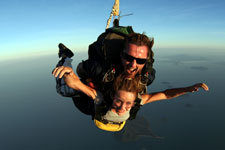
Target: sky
pixel 32 28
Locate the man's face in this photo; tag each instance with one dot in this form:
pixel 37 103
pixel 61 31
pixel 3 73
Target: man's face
pixel 133 59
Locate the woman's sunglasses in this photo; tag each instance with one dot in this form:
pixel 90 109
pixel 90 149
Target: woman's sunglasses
pixel 131 58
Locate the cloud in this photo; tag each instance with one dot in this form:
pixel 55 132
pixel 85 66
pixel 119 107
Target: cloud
pixel 200 68
pixel 179 59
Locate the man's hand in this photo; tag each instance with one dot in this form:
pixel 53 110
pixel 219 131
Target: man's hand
pixel 73 81
pixel 196 87
pixel 60 71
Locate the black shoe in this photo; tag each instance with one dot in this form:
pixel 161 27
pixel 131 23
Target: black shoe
pixel 64 50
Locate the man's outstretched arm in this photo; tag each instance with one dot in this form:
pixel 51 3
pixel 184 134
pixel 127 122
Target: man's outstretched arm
pixel 73 81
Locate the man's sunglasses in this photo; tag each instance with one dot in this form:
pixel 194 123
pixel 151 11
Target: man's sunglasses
pixel 131 58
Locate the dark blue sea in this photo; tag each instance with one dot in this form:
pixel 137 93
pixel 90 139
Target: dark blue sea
pixel 34 117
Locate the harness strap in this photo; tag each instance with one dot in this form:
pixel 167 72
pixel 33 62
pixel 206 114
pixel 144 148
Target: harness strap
pixel 109 75
pixel 109 122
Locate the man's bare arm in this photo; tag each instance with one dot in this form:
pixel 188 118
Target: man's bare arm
pixel 73 81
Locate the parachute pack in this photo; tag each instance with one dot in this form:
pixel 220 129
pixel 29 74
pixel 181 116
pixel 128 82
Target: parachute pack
pixel 109 44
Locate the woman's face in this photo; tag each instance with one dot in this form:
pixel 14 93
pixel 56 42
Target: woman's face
pixel 123 101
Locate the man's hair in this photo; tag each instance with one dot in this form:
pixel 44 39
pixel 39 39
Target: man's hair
pixel 140 40
pixel 126 84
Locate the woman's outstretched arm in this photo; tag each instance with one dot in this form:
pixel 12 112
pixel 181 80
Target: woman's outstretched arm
pixel 172 93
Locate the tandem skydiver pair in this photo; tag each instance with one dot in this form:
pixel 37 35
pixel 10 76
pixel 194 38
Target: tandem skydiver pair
pixel 111 102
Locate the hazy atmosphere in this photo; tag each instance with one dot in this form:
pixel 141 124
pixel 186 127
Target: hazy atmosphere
pixel 31 28
pixel 189 48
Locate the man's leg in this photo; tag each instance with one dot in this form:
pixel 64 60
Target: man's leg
pixel 66 60
pixel 84 103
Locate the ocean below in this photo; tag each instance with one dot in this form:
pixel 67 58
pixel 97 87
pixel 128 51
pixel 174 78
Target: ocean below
pixel 34 117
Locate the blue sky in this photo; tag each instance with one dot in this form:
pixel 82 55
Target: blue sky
pixel 31 28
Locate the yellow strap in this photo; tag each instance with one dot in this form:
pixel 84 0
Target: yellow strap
pixel 109 126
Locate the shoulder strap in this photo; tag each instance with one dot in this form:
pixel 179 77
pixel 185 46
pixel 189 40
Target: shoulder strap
pixel 135 108
pixel 100 111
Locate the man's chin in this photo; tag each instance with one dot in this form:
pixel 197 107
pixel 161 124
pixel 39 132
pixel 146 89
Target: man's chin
pixel 130 74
